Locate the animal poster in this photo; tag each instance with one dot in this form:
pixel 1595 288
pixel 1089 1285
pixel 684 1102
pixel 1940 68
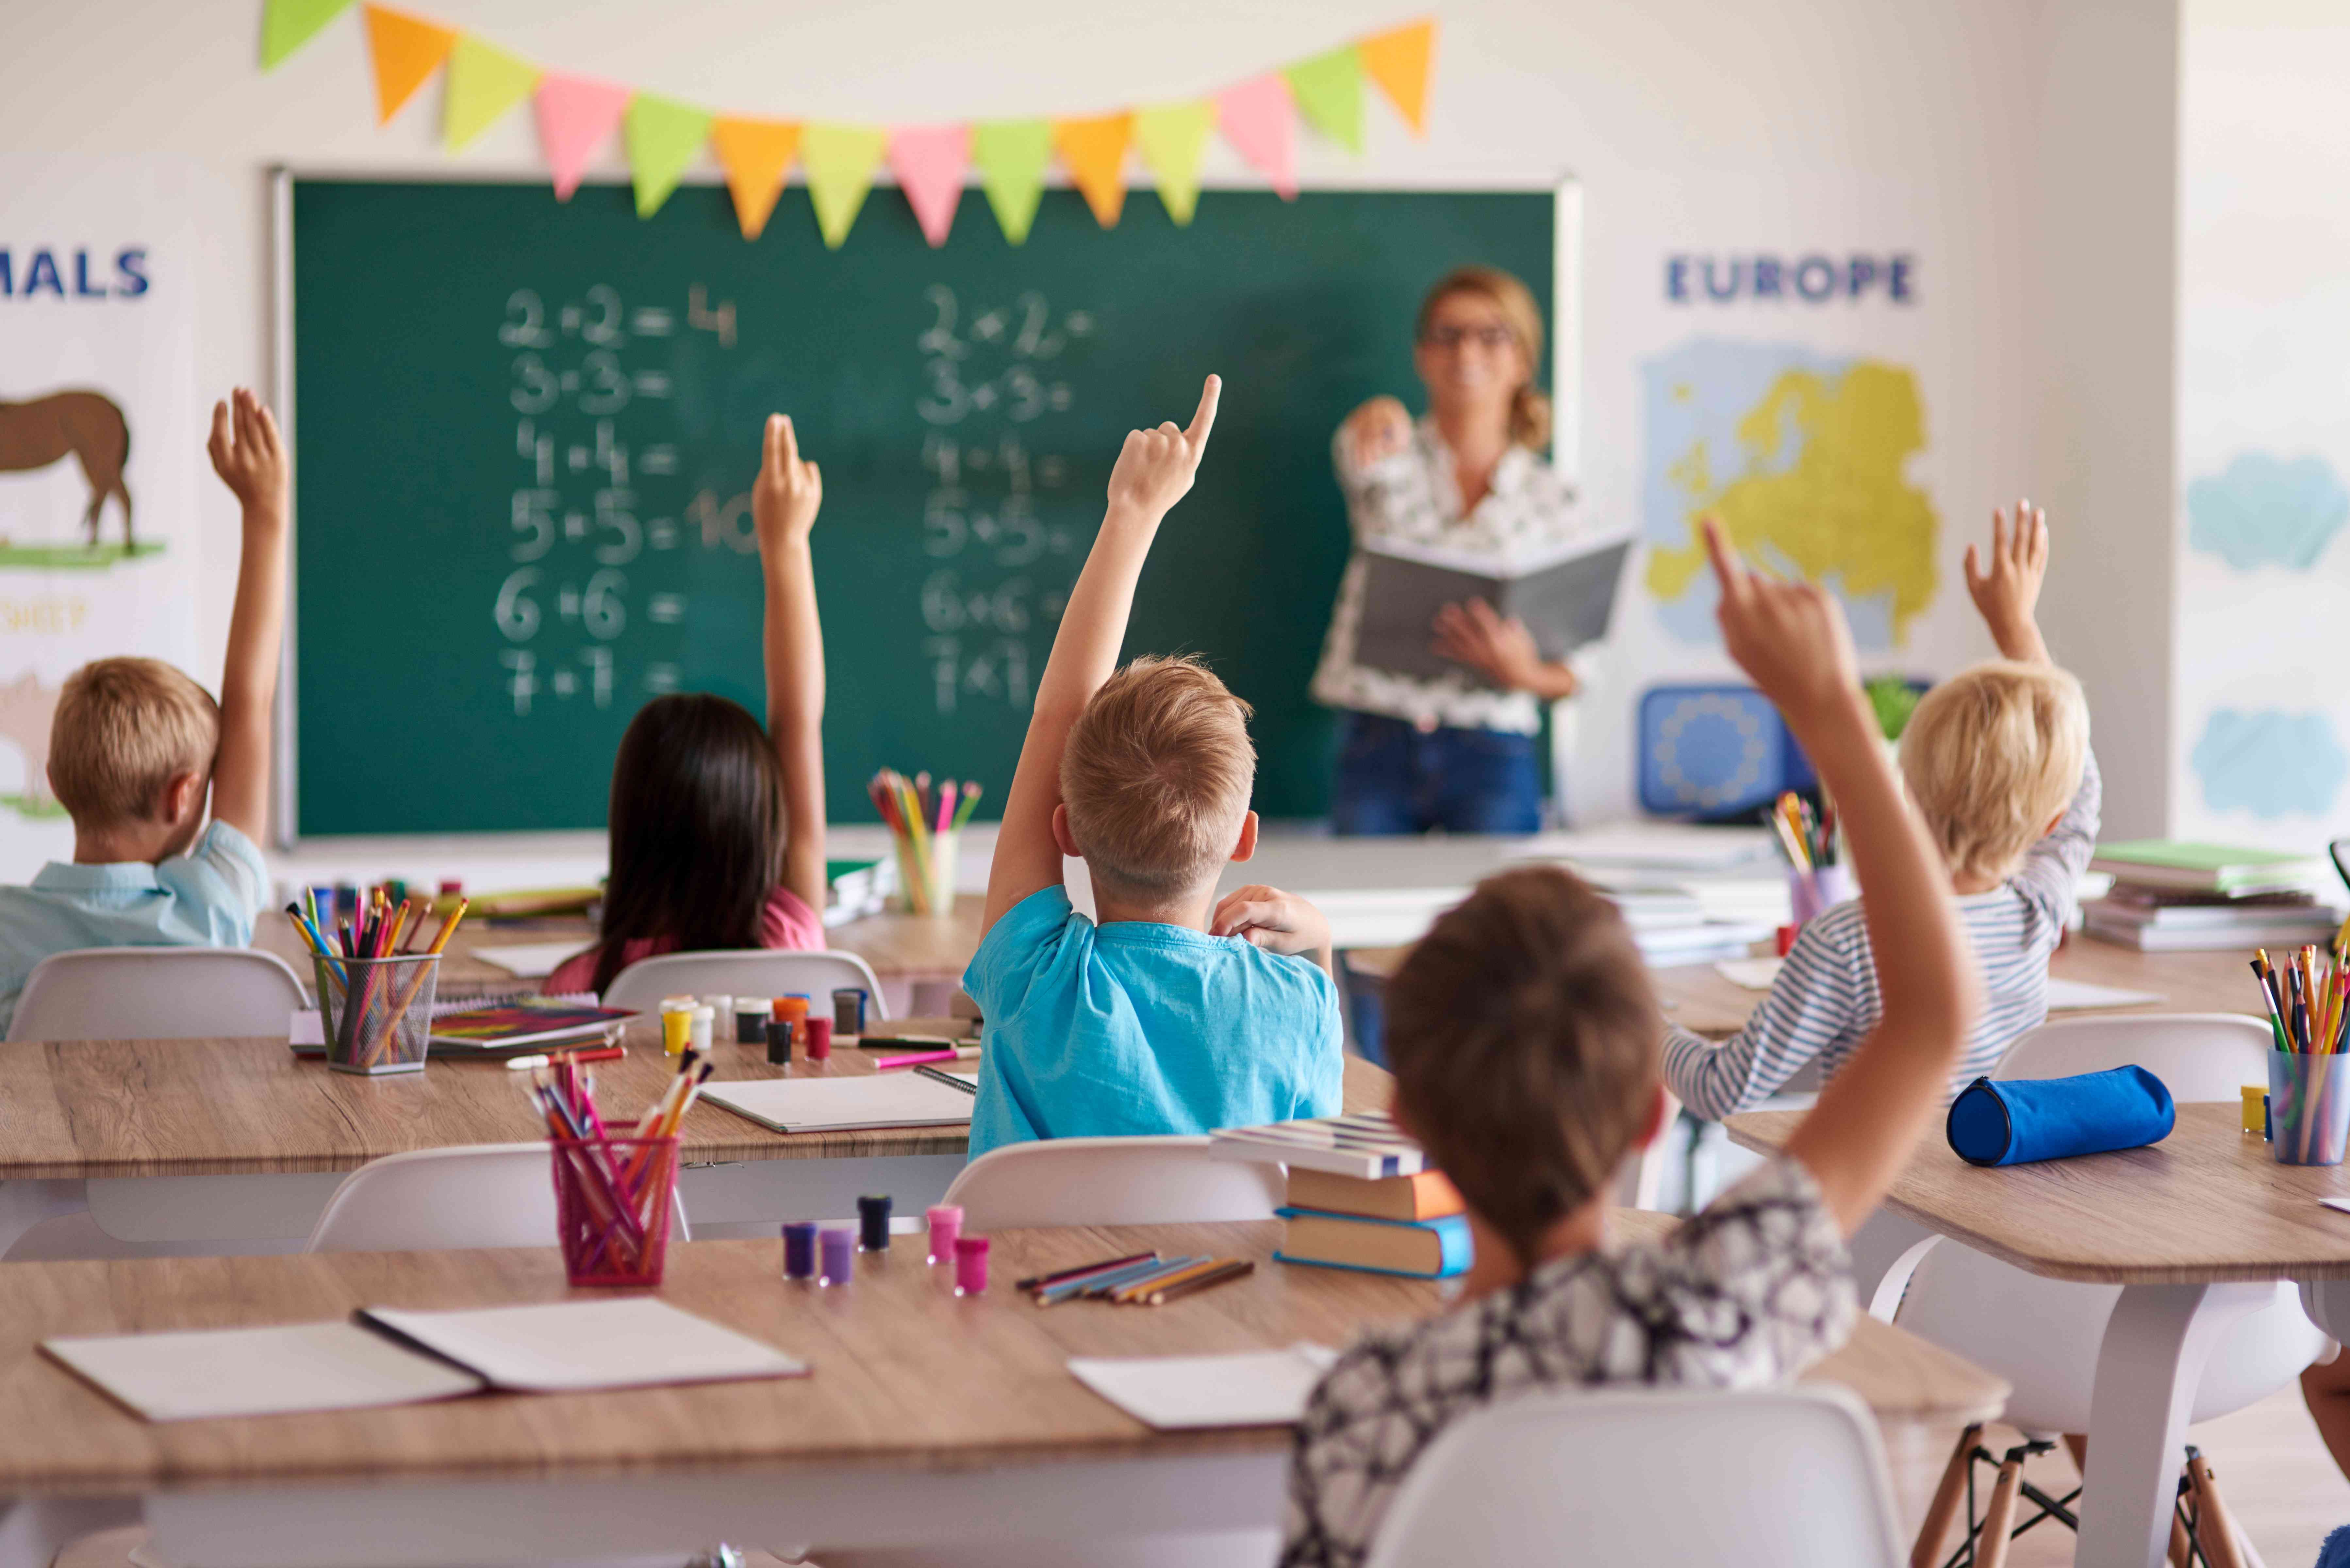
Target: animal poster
pixel 101 453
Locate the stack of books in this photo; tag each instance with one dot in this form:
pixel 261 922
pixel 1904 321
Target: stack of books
pixel 2178 898
pixel 1360 1197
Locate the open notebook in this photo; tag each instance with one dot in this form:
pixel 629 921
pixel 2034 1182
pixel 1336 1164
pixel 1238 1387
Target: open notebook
pixel 385 1356
pixel 899 1099
pixel 1176 1393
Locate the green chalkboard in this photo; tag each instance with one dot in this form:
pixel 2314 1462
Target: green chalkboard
pixel 526 434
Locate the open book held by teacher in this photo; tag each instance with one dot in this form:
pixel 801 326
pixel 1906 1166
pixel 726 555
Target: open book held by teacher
pixel 1565 593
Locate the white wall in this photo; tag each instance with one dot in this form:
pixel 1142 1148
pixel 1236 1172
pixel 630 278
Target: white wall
pixel 1937 123
pixel 2260 751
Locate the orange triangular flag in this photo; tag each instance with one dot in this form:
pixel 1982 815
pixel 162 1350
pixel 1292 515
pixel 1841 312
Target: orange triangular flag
pixel 406 50
pixel 754 153
pixel 1398 60
pixel 1095 151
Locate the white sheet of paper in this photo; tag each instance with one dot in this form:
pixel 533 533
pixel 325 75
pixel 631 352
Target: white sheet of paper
pixel 306 1029
pixel 1175 1393
pixel 258 1371
pixel 570 1346
pixel 529 961
pixel 1752 973
pixel 900 1099
pixel 2072 995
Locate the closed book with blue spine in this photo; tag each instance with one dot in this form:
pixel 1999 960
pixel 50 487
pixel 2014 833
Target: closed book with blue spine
pixel 1421 1249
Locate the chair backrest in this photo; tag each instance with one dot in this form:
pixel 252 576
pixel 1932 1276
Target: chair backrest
pixel 156 994
pixel 1112 1181
pixel 1635 1477
pixel 476 1195
pixel 2197 1056
pixel 749 972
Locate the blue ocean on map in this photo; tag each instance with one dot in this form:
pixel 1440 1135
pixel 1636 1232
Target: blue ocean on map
pixel 2270 763
pixel 2267 511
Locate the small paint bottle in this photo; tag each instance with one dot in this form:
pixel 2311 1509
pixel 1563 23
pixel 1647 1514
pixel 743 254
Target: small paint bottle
pixel 779 1043
pixel 945 1220
pixel 751 1016
pixel 873 1222
pixel 799 1249
pixel 840 1248
pixel 706 1020
pixel 819 1038
pixel 849 1011
pixel 971 1265
pixel 676 1025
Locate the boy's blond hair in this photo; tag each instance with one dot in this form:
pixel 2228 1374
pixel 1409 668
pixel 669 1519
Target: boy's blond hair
pixel 124 727
pixel 1526 1047
pixel 1990 756
pixel 1157 774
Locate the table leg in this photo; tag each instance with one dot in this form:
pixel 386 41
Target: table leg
pixel 2147 1369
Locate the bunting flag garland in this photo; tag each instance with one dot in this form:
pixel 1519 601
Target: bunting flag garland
pixel 288 25
pixel 663 137
pixel 1399 61
pixel 1255 118
pixel 576 115
pixel 839 161
pixel 576 118
pixel 1094 152
pixel 1330 89
pixel 405 49
pixel 755 153
pixel 485 81
pixel 1171 137
pixel 929 162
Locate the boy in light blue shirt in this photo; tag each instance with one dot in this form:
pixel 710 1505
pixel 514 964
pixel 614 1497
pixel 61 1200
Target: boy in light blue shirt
pixel 136 746
pixel 1175 1013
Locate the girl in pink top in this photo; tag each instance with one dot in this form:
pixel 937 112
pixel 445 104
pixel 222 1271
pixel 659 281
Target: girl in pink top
pixel 717 825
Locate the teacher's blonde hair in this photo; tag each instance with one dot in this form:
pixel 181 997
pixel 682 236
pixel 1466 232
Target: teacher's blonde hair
pixel 1529 408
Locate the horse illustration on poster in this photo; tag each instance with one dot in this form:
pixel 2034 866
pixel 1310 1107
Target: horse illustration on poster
pixel 86 426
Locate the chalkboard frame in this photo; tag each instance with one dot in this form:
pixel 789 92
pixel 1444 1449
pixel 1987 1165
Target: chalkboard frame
pixel 1566 327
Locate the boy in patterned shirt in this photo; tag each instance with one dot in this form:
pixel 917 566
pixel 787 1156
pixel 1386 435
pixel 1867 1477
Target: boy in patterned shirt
pixel 1526 1058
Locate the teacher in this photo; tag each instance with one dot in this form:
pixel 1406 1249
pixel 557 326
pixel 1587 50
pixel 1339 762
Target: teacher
pixel 1457 752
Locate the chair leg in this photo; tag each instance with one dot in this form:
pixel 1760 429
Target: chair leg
pixel 2215 1527
pixel 1947 1497
pixel 1999 1513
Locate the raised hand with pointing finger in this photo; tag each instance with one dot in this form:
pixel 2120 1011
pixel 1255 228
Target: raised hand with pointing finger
pixel 784 501
pixel 1156 466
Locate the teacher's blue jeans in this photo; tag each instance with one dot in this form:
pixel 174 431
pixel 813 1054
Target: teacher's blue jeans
pixel 1393 779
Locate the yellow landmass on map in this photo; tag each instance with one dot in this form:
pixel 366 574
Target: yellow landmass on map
pixel 1820 490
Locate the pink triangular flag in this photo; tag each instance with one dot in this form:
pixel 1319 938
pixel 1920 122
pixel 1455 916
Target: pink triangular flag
pixel 575 117
pixel 929 161
pixel 1259 120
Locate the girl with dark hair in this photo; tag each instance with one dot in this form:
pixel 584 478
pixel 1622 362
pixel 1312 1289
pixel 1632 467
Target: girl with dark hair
pixel 717 825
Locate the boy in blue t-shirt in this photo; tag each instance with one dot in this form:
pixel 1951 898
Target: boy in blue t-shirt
pixel 1176 1013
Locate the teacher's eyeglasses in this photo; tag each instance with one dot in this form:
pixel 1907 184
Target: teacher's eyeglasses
pixel 1454 336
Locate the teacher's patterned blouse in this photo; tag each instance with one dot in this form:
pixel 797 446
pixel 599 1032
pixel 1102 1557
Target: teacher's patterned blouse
pixel 1413 498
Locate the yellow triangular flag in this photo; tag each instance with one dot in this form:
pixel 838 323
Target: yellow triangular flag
pixel 754 153
pixel 1398 60
pixel 1171 137
pixel 840 160
pixel 1095 151
pixel 485 81
pixel 406 50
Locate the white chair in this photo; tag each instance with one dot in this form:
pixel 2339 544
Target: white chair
pixel 2042 1335
pixel 156 994
pixel 1112 1181
pixel 478 1195
pixel 748 971
pixel 1628 1478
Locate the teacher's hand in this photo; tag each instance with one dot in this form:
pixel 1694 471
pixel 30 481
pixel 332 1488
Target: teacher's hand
pixel 1471 634
pixel 1377 430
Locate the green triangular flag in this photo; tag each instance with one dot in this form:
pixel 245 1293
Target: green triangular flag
pixel 1329 92
pixel 288 25
pixel 485 81
pixel 1011 156
pixel 1172 136
pixel 663 136
pixel 839 161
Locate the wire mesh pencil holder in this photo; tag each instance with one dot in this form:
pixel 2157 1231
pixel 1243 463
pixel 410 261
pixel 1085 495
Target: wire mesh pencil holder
pixel 376 1012
pixel 613 1197
pixel 2309 1107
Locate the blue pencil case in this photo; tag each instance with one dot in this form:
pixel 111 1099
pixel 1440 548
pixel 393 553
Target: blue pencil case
pixel 2020 1120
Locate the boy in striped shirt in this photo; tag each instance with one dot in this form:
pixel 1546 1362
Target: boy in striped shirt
pixel 1991 758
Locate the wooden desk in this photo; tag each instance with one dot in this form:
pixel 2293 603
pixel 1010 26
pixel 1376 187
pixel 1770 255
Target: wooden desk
pixel 126 1117
pixel 1699 999
pixel 926 1417
pixel 2176 1225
